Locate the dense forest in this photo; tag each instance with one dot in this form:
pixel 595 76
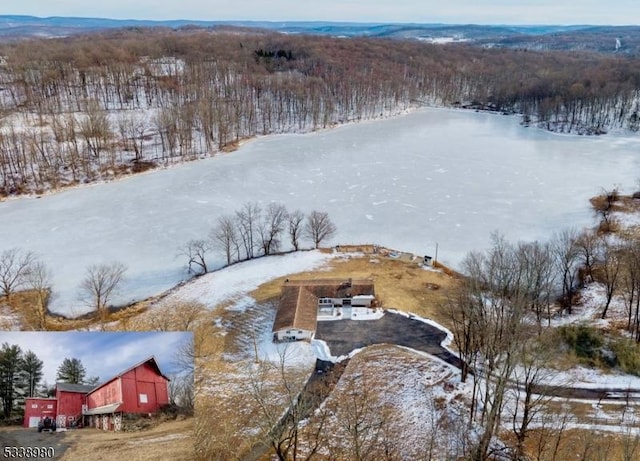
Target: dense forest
pixel 92 107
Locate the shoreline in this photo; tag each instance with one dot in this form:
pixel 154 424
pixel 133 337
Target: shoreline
pixel 235 146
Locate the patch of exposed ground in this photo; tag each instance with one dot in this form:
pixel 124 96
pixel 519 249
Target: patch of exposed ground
pixel 172 440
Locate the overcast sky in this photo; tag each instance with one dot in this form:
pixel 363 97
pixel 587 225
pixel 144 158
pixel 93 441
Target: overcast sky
pixel 422 11
pixel 102 354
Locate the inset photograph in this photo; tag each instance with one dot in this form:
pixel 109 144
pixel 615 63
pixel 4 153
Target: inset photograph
pixel 96 395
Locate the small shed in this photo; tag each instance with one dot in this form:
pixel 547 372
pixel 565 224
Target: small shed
pixel 37 408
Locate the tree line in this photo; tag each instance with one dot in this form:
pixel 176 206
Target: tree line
pixel 91 107
pixel 21 376
pixel 255 231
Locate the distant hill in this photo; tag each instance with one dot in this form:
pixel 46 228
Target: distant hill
pixel 602 39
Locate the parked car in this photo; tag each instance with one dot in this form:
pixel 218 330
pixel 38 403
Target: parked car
pixel 47 424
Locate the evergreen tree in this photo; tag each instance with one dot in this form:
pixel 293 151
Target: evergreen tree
pixel 10 376
pixel 32 370
pixel 71 371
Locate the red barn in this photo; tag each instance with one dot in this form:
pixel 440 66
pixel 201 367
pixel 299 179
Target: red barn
pixel 36 408
pixel 139 389
pixel 71 398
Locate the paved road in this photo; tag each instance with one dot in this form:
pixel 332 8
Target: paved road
pixel 343 336
pixel 20 437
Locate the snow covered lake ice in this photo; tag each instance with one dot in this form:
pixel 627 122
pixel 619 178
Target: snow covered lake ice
pixel 435 175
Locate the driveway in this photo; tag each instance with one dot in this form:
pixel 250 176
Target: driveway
pixel 21 437
pixel 343 336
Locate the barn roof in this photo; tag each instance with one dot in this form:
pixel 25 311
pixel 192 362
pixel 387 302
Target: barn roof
pixel 150 361
pixel 70 387
pixel 298 307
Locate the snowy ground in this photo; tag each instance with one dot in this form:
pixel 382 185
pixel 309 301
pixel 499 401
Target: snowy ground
pixel 436 175
pixel 232 283
pixel 591 306
pixel 420 399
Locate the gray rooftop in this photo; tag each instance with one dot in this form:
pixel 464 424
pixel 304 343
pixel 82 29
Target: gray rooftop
pixel 69 387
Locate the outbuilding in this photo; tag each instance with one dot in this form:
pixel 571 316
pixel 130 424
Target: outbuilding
pixel 36 409
pixel 71 398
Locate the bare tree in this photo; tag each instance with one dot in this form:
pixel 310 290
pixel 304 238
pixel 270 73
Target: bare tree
pixel 296 220
pixel 610 271
pixel 39 281
pixel 15 267
pixel 196 251
pixel 99 286
pixel 182 392
pixel 248 218
pixel 272 226
pixel 269 386
pixel 566 256
pixel 537 270
pixel 225 236
pixel 494 303
pixel 588 246
pixel 362 422
pixel 132 129
pixel 529 396
pixel 604 207
pixel 630 277
pixel 319 227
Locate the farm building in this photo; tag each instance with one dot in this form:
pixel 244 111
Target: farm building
pixel 301 300
pixel 141 388
pixel 36 409
pixel 70 399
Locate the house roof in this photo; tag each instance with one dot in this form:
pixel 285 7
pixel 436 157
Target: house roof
pixel 298 307
pixel 151 361
pixel 336 288
pixel 106 409
pixel 70 387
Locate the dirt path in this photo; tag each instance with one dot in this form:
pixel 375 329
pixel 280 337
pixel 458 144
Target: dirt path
pixel 21 437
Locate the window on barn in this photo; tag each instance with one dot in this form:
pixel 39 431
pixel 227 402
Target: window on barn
pixel 34 405
pixel 143 398
pixel 49 406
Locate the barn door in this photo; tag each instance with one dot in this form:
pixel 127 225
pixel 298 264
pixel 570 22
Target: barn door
pixel 33 421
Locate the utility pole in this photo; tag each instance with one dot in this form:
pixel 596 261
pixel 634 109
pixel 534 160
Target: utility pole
pixel 435 260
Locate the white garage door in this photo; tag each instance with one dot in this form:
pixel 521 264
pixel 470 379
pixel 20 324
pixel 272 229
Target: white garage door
pixel 33 421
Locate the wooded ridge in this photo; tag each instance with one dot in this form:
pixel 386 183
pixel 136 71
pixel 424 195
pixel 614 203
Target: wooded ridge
pixel 96 106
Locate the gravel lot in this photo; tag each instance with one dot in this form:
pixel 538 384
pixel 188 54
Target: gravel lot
pixel 21 437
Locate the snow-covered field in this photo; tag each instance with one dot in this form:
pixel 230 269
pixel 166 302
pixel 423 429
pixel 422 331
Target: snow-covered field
pixel 436 175
pixel 232 284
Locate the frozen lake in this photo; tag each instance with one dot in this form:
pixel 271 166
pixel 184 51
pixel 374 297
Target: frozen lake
pixel 435 175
